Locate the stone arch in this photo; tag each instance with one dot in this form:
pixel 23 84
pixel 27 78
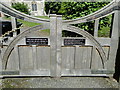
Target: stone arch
pixel 89 36
pixel 15 41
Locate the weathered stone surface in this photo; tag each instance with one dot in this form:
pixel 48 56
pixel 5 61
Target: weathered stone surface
pixel 63 82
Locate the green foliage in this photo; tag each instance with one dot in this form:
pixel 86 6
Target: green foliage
pixel 105 26
pixel 73 10
pixel 105 32
pixel 52 7
pixel 22 7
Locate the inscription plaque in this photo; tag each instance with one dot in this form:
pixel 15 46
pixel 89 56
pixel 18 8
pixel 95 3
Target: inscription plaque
pixel 37 41
pixel 70 42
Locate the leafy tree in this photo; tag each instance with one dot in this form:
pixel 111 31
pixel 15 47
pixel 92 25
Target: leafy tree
pixel 73 10
pixel 22 7
pixel 52 7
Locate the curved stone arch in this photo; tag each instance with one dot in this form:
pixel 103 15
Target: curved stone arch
pixel 108 9
pixel 89 36
pixel 15 41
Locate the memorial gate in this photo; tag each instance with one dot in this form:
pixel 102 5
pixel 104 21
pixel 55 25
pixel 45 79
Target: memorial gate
pixel 58 56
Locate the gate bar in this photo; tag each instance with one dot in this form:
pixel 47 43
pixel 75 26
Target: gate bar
pixel 55 44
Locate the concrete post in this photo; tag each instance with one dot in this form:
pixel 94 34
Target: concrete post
pixel 55 45
pixel 13 22
pixel 114 41
pixel 96 25
pixel 59 44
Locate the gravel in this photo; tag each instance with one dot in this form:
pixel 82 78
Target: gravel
pixel 63 82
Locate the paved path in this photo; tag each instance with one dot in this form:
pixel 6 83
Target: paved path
pixel 64 82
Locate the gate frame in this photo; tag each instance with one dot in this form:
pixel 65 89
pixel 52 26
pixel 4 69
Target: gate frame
pixel 55 34
pixel 56 28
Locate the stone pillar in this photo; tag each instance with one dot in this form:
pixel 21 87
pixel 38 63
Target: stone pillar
pixel 55 45
pixel 96 25
pixel 59 44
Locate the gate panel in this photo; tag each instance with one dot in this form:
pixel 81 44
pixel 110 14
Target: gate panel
pixel 96 59
pixel 76 60
pixel 43 58
pixel 68 58
pixel 83 57
pixel 26 58
pixel 80 60
pixel 13 61
pixel 34 60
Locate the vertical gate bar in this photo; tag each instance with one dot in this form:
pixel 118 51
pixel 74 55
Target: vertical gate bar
pixel 34 53
pixel 13 23
pixel 16 48
pixel 93 59
pixel 114 41
pixel 53 44
pixel 59 44
pixel 96 25
pixel 2 54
